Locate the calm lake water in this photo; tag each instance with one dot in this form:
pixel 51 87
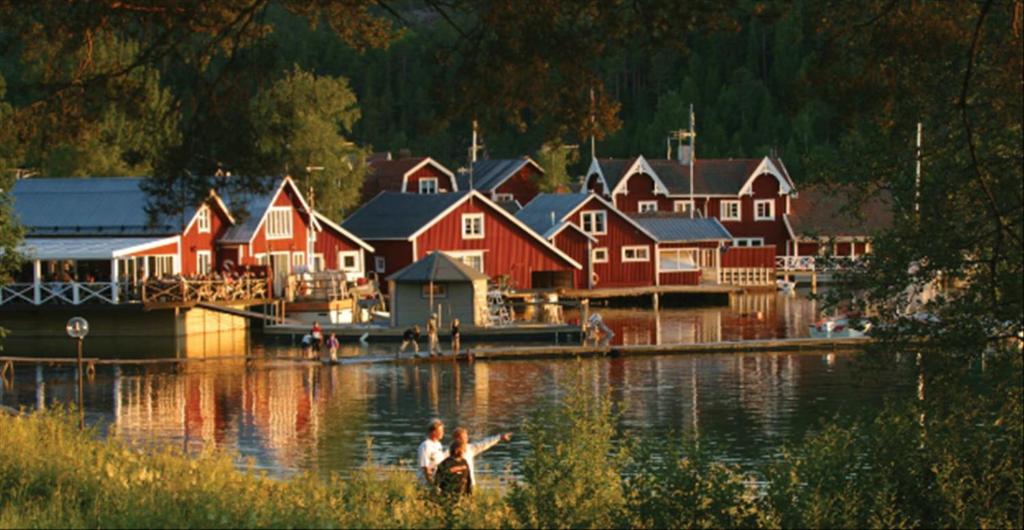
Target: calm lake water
pixel 287 417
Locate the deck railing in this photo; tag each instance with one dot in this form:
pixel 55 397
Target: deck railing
pixel 70 293
pixel 181 290
pixel 812 263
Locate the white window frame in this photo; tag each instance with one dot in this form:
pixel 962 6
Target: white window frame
pixel 770 203
pixel 593 215
pixel 203 220
pixel 678 261
pixel 297 259
pixel 380 264
pixel 354 254
pixel 318 262
pixel 682 206
pixel 507 197
pixel 748 242
pixel 425 180
pixel 724 210
pixel 472 233
pixel 600 250
pixel 200 269
pixel 646 206
pixel 461 255
pixel 636 250
pixel 279 228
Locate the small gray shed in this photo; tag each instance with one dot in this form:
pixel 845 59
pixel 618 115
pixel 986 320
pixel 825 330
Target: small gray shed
pixel 438 279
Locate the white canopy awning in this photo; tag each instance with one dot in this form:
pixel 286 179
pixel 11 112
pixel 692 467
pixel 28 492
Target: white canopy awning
pixel 88 248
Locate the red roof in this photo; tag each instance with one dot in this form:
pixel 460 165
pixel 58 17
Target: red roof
pixel 388 175
pixel 836 211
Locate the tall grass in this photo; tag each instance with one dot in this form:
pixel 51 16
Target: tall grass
pixel 957 465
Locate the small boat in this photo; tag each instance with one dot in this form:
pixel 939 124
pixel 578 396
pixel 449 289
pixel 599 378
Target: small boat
pixel 838 327
pixel 786 286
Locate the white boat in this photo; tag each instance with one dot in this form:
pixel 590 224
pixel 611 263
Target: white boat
pixel 838 327
pixel 786 286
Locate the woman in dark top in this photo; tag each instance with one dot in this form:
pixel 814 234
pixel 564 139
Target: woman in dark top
pixel 411 336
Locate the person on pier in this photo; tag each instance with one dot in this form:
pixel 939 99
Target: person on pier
pixel 332 347
pixel 456 335
pixel 431 453
pixel 411 336
pixel 475 449
pixel 434 343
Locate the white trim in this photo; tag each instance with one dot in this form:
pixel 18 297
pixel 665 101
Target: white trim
pixel 593 222
pixel 636 250
pixel 595 169
pixel 437 165
pixel 748 241
pixel 771 210
pixel 209 257
pixel 594 258
pixel 766 166
pixel 640 206
pixel 683 202
pixel 420 182
pixel 203 213
pixel 566 224
pixel 739 210
pixel 693 252
pixel 318 263
pixel 500 211
pixel 460 254
pixel 342 254
pixel 473 218
pixel 611 207
pixel 291 223
pixel 128 251
pixel 299 254
pixel 355 239
pixel 286 181
pixel 640 165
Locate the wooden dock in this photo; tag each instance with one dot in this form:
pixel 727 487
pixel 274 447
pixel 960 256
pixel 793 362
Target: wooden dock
pixel 636 292
pixel 553 333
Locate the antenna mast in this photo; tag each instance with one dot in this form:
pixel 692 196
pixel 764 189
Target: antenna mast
pixel 680 135
pixel 917 174
pixel 593 125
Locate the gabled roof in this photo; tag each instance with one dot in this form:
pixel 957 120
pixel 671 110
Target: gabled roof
pixel 395 215
pixel 614 172
pixel 338 228
pixel 256 206
pixel 561 206
pixel 678 229
pixel 391 175
pixel 102 206
pixel 832 211
pixel 404 216
pixel 437 267
pixel 718 176
pixel 489 174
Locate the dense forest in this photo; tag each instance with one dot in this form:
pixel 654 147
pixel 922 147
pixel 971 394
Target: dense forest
pixel 304 95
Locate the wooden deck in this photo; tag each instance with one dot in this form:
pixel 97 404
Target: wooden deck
pixel 520 332
pixel 631 292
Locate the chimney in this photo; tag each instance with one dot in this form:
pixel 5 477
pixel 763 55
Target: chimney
pixel 685 154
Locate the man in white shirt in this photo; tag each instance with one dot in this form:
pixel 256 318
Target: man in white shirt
pixel 431 452
pixel 474 449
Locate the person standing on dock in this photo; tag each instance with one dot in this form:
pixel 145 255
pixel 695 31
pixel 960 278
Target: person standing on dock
pixel 434 344
pixel 431 452
pixel 474 449
pixel 332 346
pixel 410 336
pixel 456 338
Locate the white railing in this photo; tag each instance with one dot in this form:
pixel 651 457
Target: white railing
pixel 72 293
pixel 794 263
pixel 748 276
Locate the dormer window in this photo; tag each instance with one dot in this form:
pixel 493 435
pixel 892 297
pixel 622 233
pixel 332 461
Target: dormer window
pixel 764 210
pixel 428 185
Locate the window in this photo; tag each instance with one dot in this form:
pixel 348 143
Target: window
pixel 428 185
pixel 593 222
pixel 635 254
pixel 318 262
pixel 647 206
pixel 379 264
pixel 682 206
pixel 601 255
pixel 473 226
pixel 160 266
pixel 748 241
pixel 506 197
pixel 677 259
pixel 203 220
pixel 474 259
pixel 204 262
pixel 440 290
pixel 764 210
pixel 279 223
pixel 731 211
pixel 298 259
pixel 348 260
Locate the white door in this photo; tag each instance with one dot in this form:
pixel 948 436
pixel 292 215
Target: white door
pixel 281 264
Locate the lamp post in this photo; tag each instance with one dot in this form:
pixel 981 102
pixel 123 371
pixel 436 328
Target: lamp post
pixel 77 328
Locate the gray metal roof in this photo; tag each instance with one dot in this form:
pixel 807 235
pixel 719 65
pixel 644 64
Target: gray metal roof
pixel 108 206
pixel 683 229
pixel 437 267
pixel 252 206
pixel 393 215
pixel 489 174
pixel 80 248
pixel 538 213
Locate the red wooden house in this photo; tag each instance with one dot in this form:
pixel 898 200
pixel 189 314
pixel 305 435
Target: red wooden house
pixel 407 175
pixel 689 249
pixel 504 180
pixel 749 196
pixel 402 228
pixel 623 254
pixel 825 220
